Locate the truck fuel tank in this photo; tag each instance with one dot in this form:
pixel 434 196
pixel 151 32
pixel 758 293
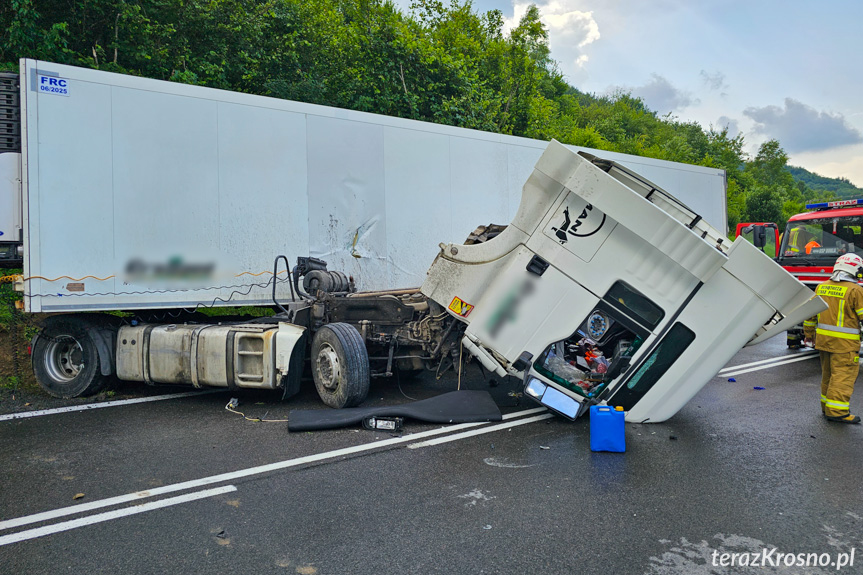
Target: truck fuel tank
pixel 231 356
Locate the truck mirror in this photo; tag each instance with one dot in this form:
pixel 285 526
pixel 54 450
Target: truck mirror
pixel 759 237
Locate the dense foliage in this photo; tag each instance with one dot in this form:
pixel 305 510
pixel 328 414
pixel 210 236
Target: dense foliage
pixel 841 187
pixel 440 63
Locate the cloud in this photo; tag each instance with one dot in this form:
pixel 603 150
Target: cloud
pixel 732 125
pixel 715 82
pixel 801 128
pixel 570 31
pixel 660 95
pixel 572 25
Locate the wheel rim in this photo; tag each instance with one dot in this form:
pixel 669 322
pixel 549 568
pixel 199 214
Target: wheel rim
pixel 64 359
pixel 329 367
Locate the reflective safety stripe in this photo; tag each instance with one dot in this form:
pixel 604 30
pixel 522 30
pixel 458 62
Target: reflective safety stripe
pixel 859 311
pixel 838 334
pixel 808 323
pixel 837 404
pixel 823 399
pixel 838 328
pixel 841 317
pixel 829 327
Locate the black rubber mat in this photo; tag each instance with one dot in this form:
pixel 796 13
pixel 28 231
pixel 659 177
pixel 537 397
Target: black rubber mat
pixel 466 406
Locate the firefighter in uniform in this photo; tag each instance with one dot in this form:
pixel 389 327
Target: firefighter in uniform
pixel 836 333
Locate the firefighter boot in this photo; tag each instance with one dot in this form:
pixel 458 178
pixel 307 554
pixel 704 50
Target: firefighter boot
pixel 848 418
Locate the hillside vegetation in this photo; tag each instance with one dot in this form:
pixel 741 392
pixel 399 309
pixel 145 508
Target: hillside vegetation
pixel 443 63
pixel 842 188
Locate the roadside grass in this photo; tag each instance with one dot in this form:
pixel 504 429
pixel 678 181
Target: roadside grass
pixel 9 316
pixel 9 382
pixel 16 330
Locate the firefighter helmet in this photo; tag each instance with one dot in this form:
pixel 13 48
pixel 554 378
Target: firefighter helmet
pixel 850 263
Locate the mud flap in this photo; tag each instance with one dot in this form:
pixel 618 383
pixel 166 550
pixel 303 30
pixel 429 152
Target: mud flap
pixel 291 343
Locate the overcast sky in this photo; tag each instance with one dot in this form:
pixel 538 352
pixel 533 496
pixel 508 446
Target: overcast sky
pixel 783 69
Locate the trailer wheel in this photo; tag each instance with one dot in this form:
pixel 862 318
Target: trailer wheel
pixel 65 360
pixel 340 365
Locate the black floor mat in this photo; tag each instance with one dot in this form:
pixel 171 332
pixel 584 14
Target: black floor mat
pixel 466 406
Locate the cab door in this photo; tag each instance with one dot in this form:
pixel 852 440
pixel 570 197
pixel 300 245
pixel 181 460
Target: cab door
pixel 763 235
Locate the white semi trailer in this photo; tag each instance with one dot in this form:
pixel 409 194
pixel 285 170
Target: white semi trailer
pixel 156 198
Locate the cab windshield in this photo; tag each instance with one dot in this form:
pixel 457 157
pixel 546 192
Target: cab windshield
pixel 820 242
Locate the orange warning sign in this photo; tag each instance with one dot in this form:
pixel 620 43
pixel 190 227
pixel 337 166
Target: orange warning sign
pixel 461 308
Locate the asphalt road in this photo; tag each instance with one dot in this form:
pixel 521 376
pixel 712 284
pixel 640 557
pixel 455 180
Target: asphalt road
pixel 184 486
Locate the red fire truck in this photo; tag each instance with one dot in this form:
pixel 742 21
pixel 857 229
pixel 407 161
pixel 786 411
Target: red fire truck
pixel 811 243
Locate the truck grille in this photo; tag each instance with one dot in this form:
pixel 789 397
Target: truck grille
pixel 10 113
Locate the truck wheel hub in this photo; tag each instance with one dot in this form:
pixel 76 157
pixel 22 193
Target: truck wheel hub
pixel 64 359
pixel 329 367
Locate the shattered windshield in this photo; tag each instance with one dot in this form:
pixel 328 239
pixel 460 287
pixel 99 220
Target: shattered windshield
pixel 824 239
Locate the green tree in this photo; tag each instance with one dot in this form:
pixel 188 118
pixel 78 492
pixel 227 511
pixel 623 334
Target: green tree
pixel 764 205
pixel 771 185
pixel 26 34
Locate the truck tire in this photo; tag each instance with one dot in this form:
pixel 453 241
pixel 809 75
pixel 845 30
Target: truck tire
pixel 66 361
pixel 340 365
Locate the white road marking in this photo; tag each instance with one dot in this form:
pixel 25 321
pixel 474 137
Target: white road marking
pixel 523 413
pixel 805 355
pixel 109 515
pixel 466 434
pixel 495 462
pixel 27 414
pixel 83 507
pixel 768 366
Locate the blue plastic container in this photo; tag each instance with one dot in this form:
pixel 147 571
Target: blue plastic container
pixel 606 429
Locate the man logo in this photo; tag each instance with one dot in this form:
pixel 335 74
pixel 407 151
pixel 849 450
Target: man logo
pixel 588 222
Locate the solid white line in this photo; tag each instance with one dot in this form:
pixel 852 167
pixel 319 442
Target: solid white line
pixel 792 360
pixel 27 414
pixel 523 413
pixel 467 434
pixel 109 515
pixel 80 508
pixel 771 360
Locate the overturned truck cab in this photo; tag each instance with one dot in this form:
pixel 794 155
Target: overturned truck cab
pixel 606 289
